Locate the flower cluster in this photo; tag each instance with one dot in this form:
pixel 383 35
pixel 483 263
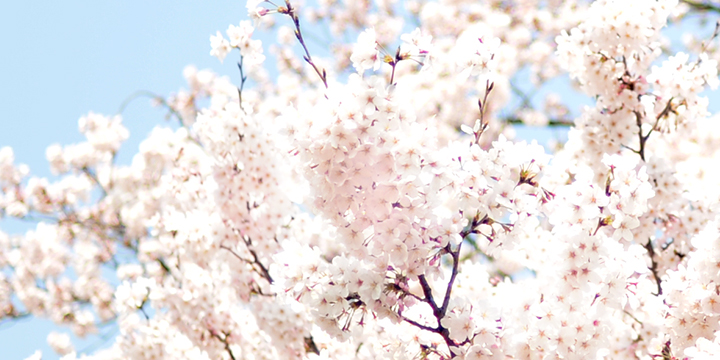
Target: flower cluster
pixel 239 37
pixel 380 206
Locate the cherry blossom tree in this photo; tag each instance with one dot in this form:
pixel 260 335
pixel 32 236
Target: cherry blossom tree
pixel 376 203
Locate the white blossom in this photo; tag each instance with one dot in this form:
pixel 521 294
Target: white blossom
pixel 330 212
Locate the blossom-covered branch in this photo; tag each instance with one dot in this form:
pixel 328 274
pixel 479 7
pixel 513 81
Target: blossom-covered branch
pixel 393 213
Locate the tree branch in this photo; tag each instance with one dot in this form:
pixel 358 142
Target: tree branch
pixel 256 261
pixel 440 312
pixel 653 266
pixel 456 263
pixel 292 12
pixel 702 6
pixel 551 122
pixel 421 326
pixel 223 340
pixel 243 79
pixel 427 291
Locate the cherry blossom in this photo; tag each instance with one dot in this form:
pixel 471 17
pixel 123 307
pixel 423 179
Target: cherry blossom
pixel 378 204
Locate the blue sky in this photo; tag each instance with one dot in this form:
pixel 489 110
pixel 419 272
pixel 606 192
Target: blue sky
pixel 63 59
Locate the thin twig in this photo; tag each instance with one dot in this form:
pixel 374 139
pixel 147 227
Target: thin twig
pixel 243 79
pixel 440 312
pixel 633 317
pixel 264 270
pixel 292 12
pixel 225 342
pixel 94 178
pixel 715 34
pixel 551 122
pixel 421 326
pixel 158 98
pixel 256 261
pixel 11 318
pixel 702 6
pixel 394 63
pixel 482 105
pixel 654 266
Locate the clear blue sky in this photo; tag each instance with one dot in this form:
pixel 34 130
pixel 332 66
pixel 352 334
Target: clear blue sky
pixel 61 60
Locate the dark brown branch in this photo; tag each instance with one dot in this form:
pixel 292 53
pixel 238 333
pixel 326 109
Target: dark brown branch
pixel 421 326
pixel 263 269
pixel 292 12
pixel 310 346
pixel 654 266
pixel 236 254
pixel 482 105
pixel 427 291
pixel 642 138
pixel 223 340
pixel 243 79
pixel 264 272
pixel 456 263
pixel 440 312
pixel 394 63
